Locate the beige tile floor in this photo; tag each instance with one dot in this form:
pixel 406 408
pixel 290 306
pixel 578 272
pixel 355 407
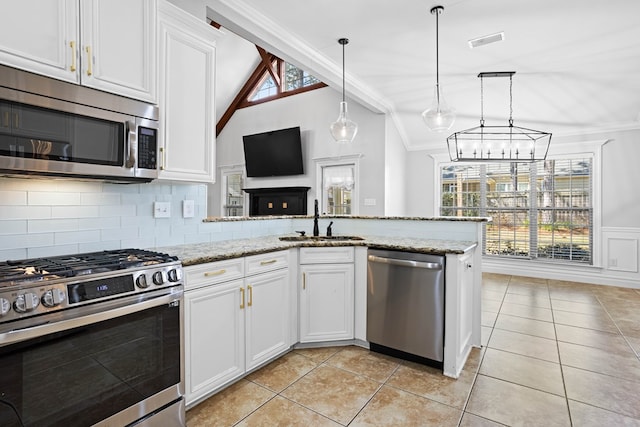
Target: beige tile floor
pixel 554 354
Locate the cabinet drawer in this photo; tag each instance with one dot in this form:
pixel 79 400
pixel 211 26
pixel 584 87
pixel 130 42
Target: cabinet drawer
pixel 255 264
pixel 327 255
pixel 213 272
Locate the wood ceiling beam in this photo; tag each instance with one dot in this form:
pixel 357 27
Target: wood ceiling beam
pixel 253 80
pixel 267 60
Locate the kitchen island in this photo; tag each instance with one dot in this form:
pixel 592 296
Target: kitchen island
pixel 234 262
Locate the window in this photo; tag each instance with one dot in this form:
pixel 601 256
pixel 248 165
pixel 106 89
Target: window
pixel 232 194
pixel 292 80
pixel 338 181
pixel 540 210
pixel 337 185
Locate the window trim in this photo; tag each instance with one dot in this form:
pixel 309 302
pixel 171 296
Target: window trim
pixel 592 149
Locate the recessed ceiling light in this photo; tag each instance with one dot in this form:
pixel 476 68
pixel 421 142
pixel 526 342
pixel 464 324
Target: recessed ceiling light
pixel 491 38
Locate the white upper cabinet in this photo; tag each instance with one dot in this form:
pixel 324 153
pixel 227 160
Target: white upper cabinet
pixel 118 47
pixel 105 44
pixel 42 37
pixel 186 96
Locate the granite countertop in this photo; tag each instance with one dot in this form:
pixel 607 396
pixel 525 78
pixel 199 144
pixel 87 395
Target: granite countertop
pixel 408 218
pixel 200 253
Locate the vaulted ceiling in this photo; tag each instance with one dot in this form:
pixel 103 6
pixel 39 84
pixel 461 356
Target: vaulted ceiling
pixel 577 62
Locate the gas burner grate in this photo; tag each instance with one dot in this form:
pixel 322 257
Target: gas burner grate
pixel 15 272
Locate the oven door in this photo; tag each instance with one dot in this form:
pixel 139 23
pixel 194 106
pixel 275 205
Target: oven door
pixel 109 364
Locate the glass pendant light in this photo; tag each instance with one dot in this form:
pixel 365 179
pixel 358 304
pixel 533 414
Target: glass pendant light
pixel 343 130
pixel 439 117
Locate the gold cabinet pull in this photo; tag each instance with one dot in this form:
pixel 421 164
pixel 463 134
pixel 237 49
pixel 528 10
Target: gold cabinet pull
pixel 72 45
pixel 161 158
pixel 250 295
pixel 214 273
pixel 241 298
pixel 90 62
pixel 5 119
pixel 16 120
pixel 304 280
pixel 271 261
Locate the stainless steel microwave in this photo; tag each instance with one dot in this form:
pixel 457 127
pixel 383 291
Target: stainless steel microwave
pixel 54 128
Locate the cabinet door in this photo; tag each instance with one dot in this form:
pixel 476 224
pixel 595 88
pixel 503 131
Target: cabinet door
pixel 326 302
pixel 41 37
pixel 214 338
pixel 186 97
pixel 267 316
pixel 118 48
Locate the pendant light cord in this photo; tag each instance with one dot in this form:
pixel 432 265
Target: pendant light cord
pixel 481 101
pixel 511 100
pixel 343 97
pixel 437 60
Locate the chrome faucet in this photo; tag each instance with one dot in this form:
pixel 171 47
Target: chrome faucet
pixel 316 215
pixel 329 231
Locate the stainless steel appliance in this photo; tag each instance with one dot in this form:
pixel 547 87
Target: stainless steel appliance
pixel 54 128
pixel 405 305
pixel 92 339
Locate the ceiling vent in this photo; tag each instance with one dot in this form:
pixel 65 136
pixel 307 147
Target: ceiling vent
pixel 484 40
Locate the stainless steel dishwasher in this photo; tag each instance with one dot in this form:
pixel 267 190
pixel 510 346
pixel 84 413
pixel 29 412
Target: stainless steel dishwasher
pixel 405 305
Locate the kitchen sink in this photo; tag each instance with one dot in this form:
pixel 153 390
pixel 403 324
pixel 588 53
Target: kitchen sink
pixel 319 238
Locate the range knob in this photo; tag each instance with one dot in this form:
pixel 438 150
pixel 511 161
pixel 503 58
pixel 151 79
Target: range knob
pixel 141 281
pixel 26 302
pixel 158 278
pixel 175 275
pixel 5 306
pixel 53 297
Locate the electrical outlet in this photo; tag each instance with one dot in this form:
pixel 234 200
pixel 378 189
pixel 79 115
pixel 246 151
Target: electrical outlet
pixel 161 209
pixel 613 262
pixel 188 208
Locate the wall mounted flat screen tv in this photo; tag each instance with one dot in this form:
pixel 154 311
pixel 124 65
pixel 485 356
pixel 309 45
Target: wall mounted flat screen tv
pixel 274 153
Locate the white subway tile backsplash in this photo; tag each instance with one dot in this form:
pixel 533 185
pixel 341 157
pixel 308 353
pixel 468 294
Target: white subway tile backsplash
pixel 13 227
pixel 65 238
pixel 50 217
pixel 75 211
pixel 25 212
pixel 39 252
pixel 9 198
pixel 118 210
pixel 52 225
pixel 99 246
pixel 51 198
pixel 99 223
pixel 27 241
pixel 100 199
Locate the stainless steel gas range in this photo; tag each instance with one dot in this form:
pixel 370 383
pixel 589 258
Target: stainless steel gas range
pixel 92 339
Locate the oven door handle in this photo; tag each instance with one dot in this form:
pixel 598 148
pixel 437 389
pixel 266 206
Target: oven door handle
pixel 23 334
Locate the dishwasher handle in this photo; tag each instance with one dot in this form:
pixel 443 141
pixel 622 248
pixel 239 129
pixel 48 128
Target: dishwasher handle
pixel 406 263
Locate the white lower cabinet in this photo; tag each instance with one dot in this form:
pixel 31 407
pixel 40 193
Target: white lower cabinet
pixel 233 325
pixel 326 294
pixel 214 338
pixel 266 316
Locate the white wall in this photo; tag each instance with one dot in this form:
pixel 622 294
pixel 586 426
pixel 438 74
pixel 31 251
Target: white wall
pixel 419 184
pixel 394 171
pixel 313 111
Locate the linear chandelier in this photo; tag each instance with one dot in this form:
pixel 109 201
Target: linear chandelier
pixel 498 143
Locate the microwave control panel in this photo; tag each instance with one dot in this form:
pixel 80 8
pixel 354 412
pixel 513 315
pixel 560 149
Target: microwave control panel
pixel 147 148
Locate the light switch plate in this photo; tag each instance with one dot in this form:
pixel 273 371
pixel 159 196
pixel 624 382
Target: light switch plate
pixel 188 208
pixel 161 209
pixel 369 202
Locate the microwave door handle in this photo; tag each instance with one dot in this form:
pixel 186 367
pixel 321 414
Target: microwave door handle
pixel 132 145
